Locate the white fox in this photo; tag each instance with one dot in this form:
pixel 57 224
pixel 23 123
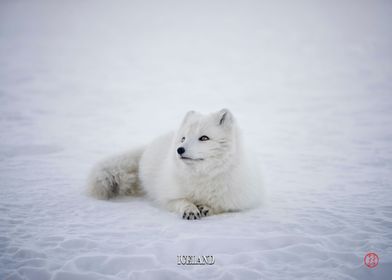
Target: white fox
pixel 198 171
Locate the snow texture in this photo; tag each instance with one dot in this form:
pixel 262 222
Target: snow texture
pixel 310 83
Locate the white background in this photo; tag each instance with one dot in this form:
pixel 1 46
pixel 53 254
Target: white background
pixel 309 82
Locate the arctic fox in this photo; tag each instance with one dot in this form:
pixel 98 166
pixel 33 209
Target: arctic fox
pixel 200 170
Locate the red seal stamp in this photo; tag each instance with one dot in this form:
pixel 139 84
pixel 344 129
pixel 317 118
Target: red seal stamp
pixel 371 260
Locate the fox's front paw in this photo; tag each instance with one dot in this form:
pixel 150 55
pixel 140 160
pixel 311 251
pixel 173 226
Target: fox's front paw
pixel 204 210
pixel 191 213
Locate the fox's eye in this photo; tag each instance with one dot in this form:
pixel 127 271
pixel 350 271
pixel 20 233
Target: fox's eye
pixel 182 139
pixel 204 138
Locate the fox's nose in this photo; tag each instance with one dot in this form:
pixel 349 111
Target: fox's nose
pixel 180 150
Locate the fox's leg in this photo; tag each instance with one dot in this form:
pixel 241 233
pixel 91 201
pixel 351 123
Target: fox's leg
pixel 204 210
pixel 187 209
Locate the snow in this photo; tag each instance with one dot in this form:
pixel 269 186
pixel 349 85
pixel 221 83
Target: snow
pixel 310 83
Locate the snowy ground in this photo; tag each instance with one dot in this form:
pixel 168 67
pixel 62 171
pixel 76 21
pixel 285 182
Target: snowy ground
pixel 310 84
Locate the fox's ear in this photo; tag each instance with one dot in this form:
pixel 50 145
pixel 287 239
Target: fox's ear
pixel 225 117
pixel 188 116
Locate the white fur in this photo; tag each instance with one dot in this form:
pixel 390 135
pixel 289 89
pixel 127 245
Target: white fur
pixel 218 176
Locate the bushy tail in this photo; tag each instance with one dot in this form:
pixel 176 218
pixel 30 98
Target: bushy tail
pixel 116 176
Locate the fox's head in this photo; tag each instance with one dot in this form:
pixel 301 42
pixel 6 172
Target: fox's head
pixel 205 143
